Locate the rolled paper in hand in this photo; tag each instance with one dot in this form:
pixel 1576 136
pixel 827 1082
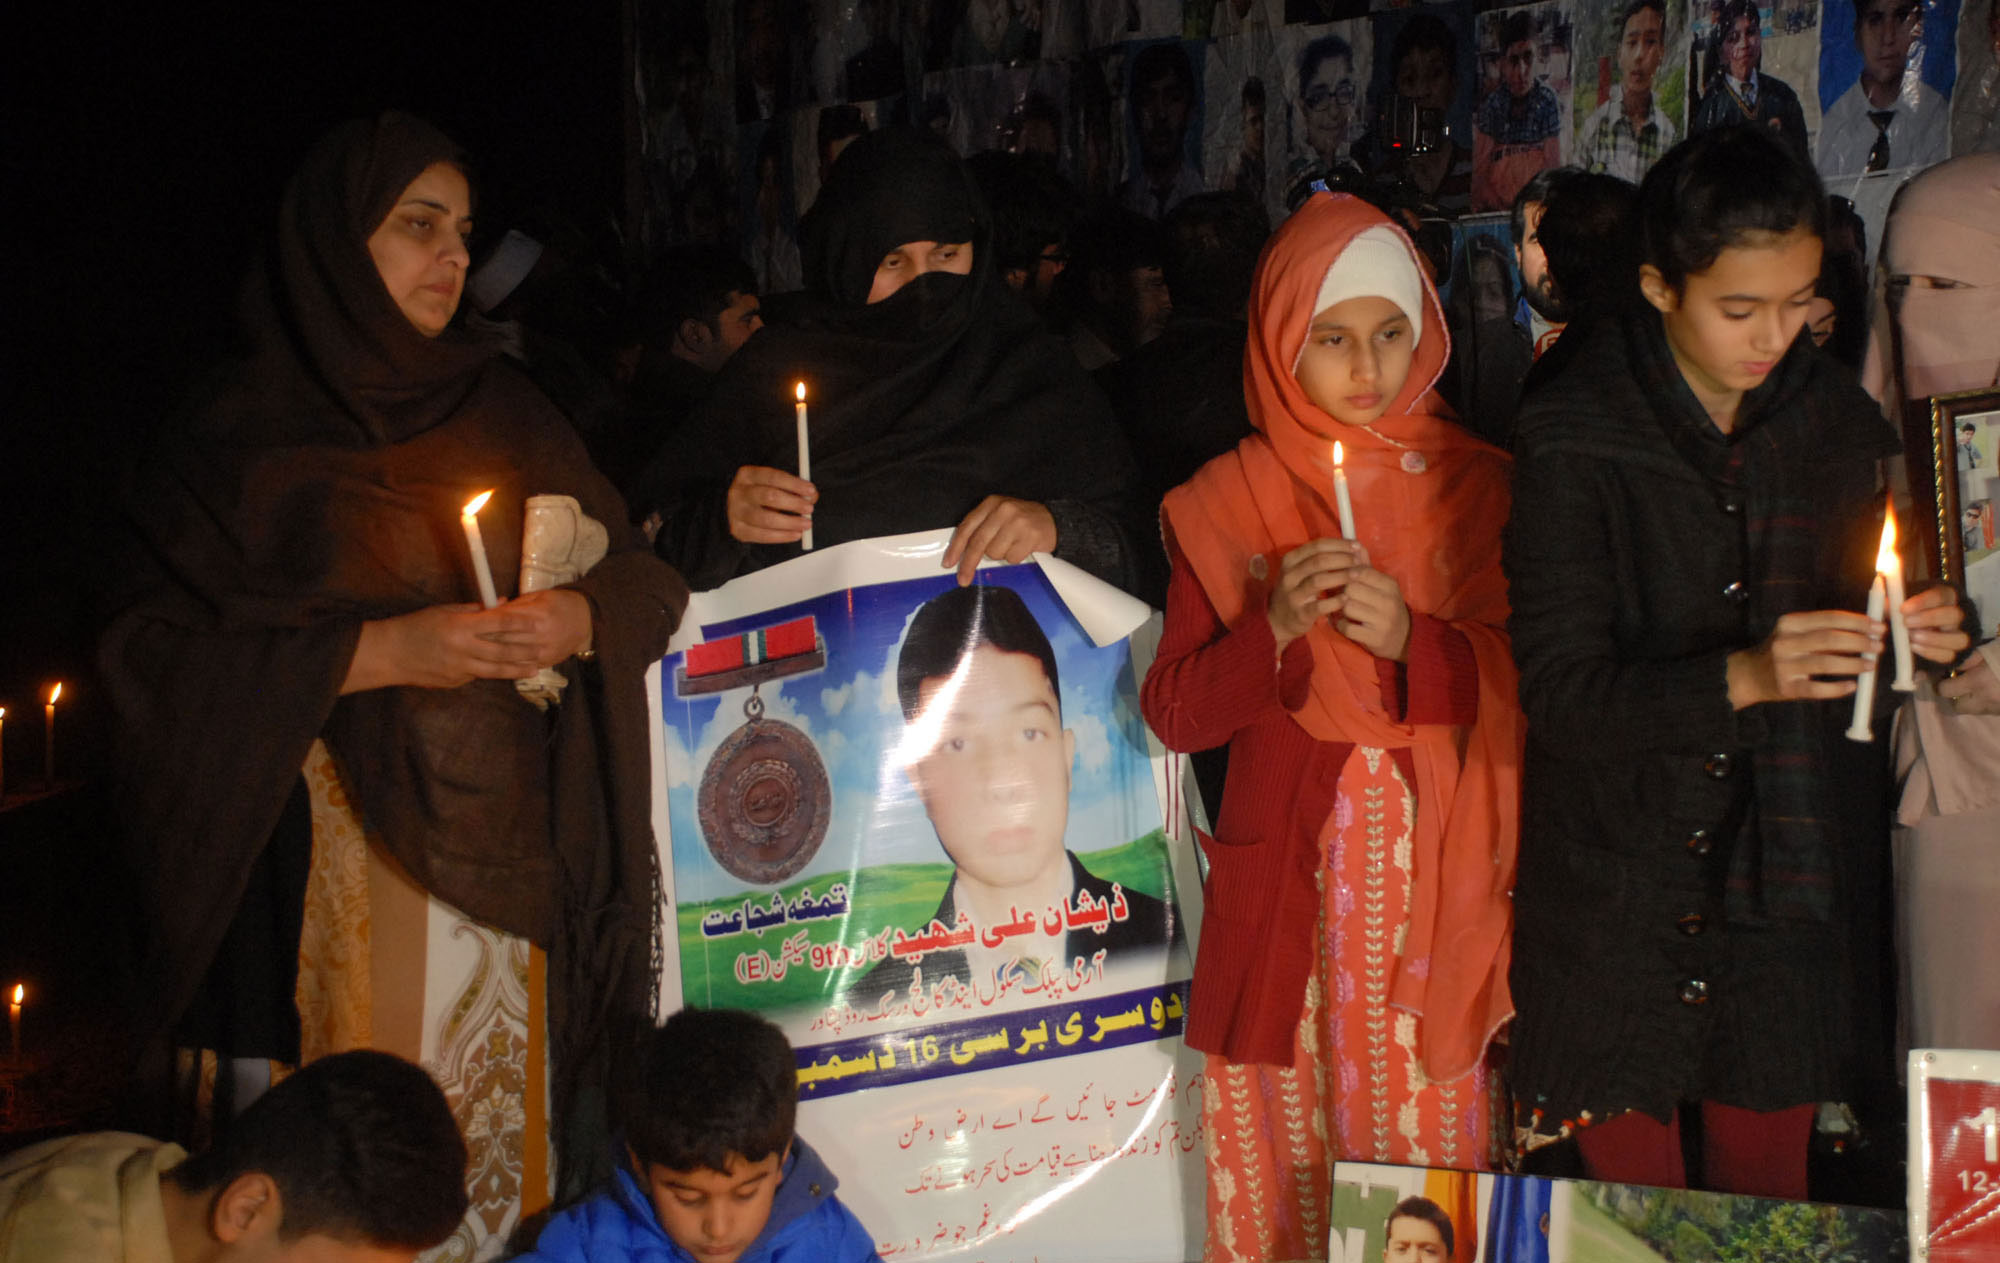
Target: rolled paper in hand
pixel 1862 729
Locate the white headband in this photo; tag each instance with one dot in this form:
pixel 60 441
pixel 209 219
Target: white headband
pixel 1376 264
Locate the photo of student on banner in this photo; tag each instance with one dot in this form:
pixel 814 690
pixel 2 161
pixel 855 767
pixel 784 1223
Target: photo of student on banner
pixel 991 762
pixel 1890 110
pixel 1521 121
pixel 1632 111
pixel 1735 88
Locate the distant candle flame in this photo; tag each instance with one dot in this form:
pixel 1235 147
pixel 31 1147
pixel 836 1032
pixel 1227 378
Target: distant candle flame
pixel 476 503
pixel 3 712
pixel 54 693
pixel 800 391
pixel 1337 454
pixel 1885 557
pixel 20 993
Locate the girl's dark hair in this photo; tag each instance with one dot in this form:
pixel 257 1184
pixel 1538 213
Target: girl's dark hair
pixel 1720 189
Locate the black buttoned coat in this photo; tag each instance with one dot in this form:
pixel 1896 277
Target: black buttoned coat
pixel 1640 982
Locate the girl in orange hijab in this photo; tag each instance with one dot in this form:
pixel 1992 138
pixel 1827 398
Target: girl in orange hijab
pixel 1353 957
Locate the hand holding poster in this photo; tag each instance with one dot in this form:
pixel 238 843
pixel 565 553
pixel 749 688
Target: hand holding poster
pixel 917 826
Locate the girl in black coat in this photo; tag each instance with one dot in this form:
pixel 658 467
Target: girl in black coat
pixel 1697 502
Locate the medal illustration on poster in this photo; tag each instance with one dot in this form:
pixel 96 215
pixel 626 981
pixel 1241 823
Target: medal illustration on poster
pixel 918 826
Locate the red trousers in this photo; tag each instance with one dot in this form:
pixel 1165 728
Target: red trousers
pixel 1742 1151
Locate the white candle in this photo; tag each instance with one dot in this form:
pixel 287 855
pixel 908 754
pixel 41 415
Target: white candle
pixel 14 1018
pixel 49 736
pixel 1340 498
pixel 1891 567
pixel 469 519
pixel 1864 688
pixel 805 453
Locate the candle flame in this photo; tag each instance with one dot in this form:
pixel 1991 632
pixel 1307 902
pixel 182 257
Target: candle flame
pixel 3 712
pixel 1885 557
pixel 20 993
pixel 54 693
pixel 800 391
pixel 476 503
pixel 1337 453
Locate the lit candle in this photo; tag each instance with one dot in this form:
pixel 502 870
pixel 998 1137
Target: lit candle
pixel 1891 568
pixel 14 1018
pixel 805 453
pixel 469 519
pixel 49 741
pixel 1340 499
pixel 1864 688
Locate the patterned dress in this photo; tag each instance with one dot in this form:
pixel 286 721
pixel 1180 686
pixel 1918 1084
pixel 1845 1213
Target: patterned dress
pixel 1354 1091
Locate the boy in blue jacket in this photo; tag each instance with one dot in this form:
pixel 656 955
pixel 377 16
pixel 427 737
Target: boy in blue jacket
pixel 713 1172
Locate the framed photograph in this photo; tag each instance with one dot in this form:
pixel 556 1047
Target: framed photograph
pixel 1965 467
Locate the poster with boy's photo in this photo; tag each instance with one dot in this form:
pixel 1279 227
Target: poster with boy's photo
pixel 919 826
pixel 1523 118
pixel 857 50
pixel 765 192
pixel 1975 98
pixel 1631 85
pixel 1886 69
pixel 1227 19
pixel 687 123
pixel 1426 67
pixel 1020 109
pixel 1756 64
pixel 1976 456
pixel 1322 75
pixel 1163 118
pixel 770 60
pixel 1237 141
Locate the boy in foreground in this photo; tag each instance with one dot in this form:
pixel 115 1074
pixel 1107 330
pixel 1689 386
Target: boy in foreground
pixel 712 1170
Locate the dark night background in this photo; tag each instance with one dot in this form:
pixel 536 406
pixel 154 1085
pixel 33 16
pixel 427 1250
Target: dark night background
pixel 145 151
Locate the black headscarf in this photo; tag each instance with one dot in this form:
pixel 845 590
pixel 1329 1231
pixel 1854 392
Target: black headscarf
pixel 317 488
pixel 921 405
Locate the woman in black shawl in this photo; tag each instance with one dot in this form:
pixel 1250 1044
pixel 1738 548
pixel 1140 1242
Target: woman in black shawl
pixel 297 572
pixel 937 399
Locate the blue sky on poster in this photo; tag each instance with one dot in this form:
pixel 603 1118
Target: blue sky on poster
pixel 851 713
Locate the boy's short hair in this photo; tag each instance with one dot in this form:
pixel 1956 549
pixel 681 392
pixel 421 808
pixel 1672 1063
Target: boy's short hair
pixel 1431 1213
pixel 949 626
pixel 362 1147
pixel 714 1082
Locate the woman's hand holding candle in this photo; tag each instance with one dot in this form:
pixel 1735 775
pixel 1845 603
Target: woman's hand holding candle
pixel 445 646
pixel 1801 648
pixel 770 506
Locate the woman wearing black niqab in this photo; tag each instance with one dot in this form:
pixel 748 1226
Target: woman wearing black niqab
pixel 936 400
pixel 296 572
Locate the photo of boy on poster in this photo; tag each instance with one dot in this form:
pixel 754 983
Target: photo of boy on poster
pixel 1735 88
pixel 1425 56
pixel 990 760
pixel 1163 99
pixel 1885 78
pixel 1625 133
pixel 1522 119
pixel 1325 124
